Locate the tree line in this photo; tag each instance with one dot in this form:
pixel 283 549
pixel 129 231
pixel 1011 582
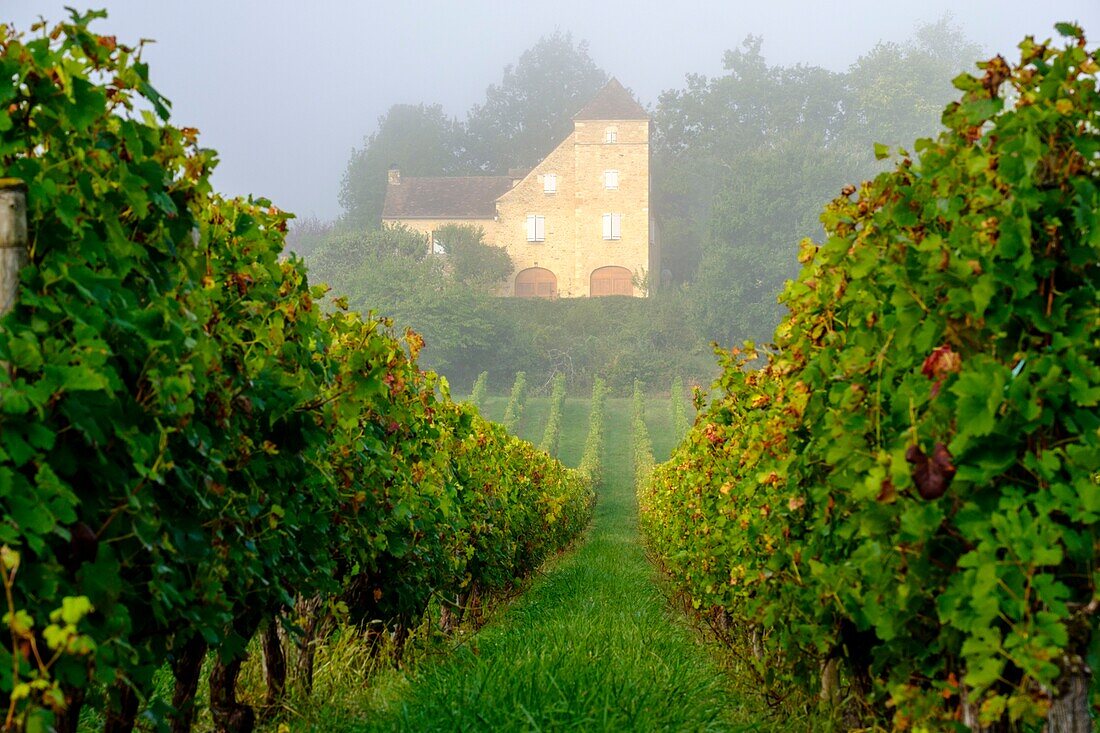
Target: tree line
pixel 742 163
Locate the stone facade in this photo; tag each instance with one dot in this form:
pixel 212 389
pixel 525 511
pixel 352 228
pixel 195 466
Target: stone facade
pixel 596 230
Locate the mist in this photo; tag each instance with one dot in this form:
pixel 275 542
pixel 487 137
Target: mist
pixel 758 117
pixel 285 90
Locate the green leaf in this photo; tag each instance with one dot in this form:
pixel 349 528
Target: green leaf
pixel 980 389
pixel 73 610
pixel 77 378
pixel 983 291
pixel 1070 30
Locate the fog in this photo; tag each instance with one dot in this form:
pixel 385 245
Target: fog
pixel 286 90
pixel 757 117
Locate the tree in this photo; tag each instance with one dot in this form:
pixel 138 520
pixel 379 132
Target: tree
pixel 306 234
pixel 531 110
pixel 743 162
pixel 899 90
pixel 470 260
pixel 340 256
pixel 419 139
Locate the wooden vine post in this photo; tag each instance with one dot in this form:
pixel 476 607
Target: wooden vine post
pixel 13 239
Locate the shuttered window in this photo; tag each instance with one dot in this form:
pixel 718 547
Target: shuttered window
pixel 611 135
pixel 611 226
pixel 611 179
pixel 550 183
pixel 536 228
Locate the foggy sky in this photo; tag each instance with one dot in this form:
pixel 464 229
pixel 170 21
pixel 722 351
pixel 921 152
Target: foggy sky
pixel 285 90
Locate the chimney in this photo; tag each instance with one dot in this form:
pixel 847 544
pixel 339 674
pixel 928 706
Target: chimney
pixel 395 175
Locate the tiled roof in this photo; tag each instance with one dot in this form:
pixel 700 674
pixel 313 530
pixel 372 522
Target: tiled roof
pixel 613 102
pixel 471 197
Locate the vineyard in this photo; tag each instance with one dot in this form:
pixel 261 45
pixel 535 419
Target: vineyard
pixel 210 468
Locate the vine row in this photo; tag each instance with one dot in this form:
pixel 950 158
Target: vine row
pixel 898 501
pixel 551 437
pixel 190 447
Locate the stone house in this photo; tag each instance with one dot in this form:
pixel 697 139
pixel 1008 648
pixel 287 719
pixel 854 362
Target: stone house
pixel 576 225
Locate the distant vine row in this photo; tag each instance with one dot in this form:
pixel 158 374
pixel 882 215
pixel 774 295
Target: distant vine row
pixel 591 465
pixel 680 423
pixel 551 437
pixel 517 402
pixel 477 395
pixel 641 443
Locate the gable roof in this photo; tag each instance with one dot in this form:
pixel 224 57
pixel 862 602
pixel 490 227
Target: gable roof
pixel 463 197
pixel 613 102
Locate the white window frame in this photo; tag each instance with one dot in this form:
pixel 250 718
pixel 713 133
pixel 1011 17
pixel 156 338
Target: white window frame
pixel 611 135
pixel 612 227
pixel 607 177
pixel 550 183
pixel 536 228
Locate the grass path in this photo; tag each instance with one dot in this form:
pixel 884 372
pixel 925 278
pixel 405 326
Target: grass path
pixel 592 646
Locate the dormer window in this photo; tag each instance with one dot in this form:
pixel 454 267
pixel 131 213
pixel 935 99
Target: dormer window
pixel 550 183
pixel 536 228
pixel 611 135
pixel 611 180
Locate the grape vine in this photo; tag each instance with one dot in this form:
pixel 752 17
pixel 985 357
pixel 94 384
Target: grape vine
pixel 189 446
pixel 902 503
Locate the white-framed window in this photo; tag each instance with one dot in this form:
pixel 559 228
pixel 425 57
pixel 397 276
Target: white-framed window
pixel 611 135
pixel 550 183
pixel 438 248
pixel 612 226
pixel 611 179
pixel 536 228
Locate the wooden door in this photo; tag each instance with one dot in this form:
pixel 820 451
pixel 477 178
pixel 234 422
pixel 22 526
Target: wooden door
pixel 611 281
pixel 536 282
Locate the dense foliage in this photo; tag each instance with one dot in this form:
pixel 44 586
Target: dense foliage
pixel 448 297
pixel 899 501
pixel 743 162
pixel 187 443
pixel 469 330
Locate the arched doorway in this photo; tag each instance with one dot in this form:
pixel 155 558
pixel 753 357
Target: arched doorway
pixel 611 281
pixel 536 282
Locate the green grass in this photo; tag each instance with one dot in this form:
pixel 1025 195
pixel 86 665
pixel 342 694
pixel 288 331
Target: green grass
pixel 658 418
pixel 591 646
pixel 574 429
pixel 532 423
